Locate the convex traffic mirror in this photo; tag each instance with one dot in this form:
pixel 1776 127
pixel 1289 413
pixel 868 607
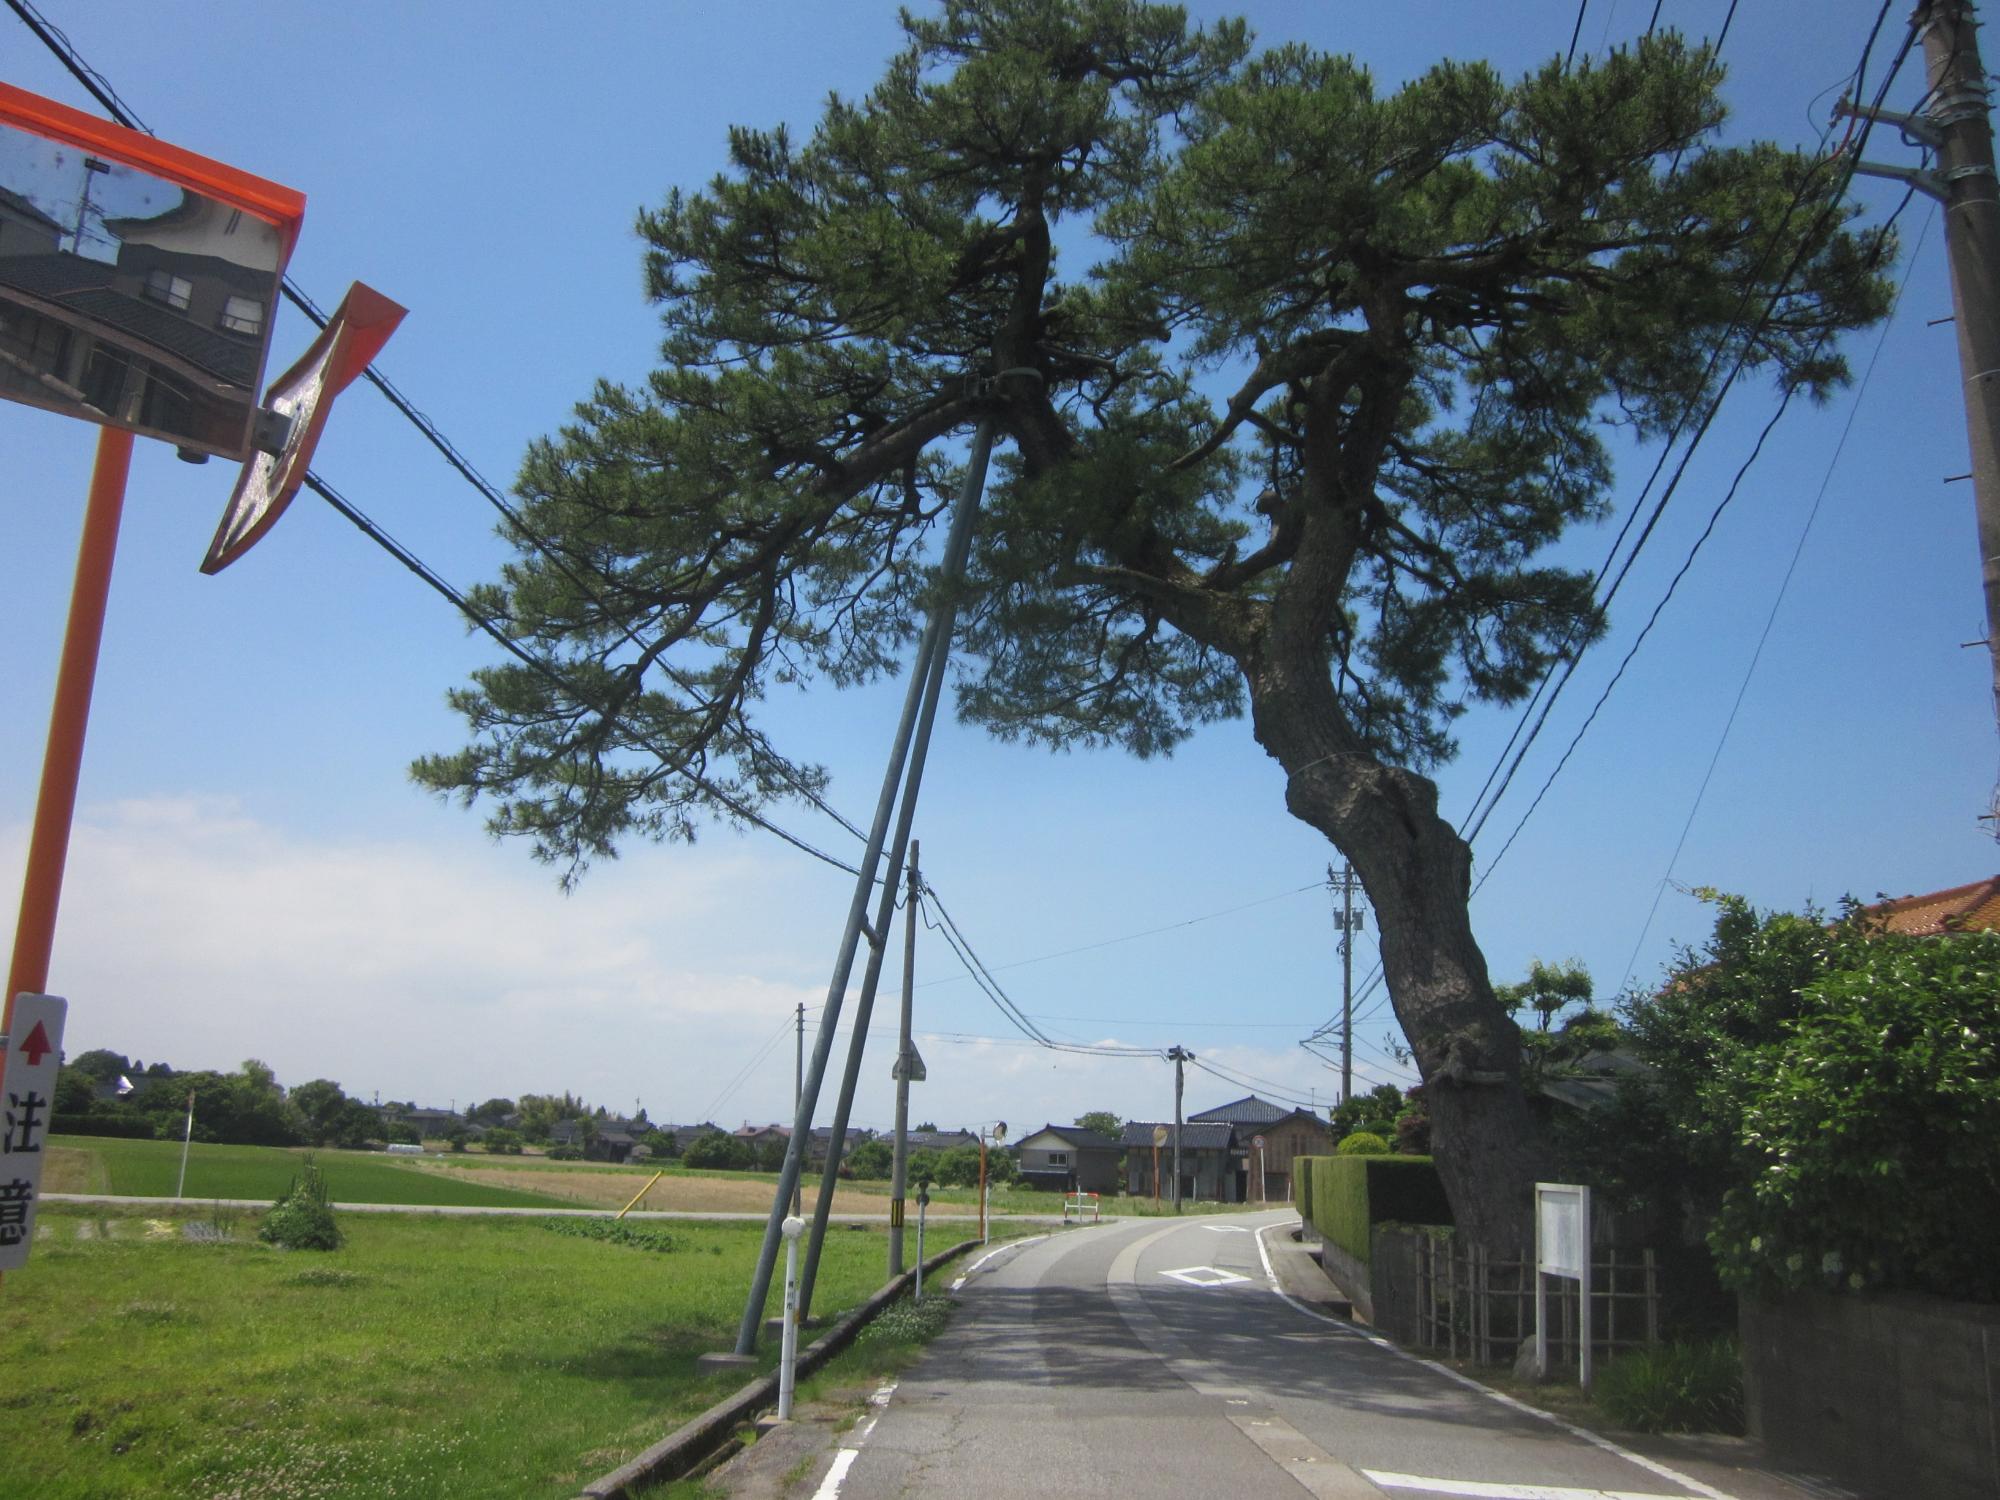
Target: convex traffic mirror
pixel 137 281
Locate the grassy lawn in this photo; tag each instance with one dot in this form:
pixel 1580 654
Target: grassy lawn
pixel 427 1357
pixel 149 1169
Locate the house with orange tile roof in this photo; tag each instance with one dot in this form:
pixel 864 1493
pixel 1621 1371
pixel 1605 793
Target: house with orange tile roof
pixel 1963 908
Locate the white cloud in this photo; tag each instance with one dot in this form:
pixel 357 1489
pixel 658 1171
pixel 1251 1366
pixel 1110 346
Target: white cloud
pixel 197 934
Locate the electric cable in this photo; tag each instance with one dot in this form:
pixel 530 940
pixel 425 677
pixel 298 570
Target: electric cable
pixel 744 1073
pixel 417 566
pixel 955 939
pixel 1881 245
pixel 1473 825
pixel 1216 1071
pixel 101 89
pixel 1784 584
pixel 1130 937
pixel 1565 662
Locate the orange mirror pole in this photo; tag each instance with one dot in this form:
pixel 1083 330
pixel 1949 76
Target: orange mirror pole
pixel 62 762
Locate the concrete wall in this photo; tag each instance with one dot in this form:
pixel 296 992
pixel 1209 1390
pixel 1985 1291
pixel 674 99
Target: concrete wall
pixel 1393 1251
pixel 1895 1393
pixel 1353 1277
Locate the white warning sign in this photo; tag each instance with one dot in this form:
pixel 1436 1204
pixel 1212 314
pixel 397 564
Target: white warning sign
pixel 27 1097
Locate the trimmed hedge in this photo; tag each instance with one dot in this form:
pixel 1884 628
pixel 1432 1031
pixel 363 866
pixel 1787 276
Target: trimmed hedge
pixel 1344 1197
pixel 129 1127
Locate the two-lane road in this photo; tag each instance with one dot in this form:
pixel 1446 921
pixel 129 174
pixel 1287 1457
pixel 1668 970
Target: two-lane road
pixel 1161 1361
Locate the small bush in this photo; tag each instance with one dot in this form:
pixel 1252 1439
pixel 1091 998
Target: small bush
pixel 565 1153
pixel 324 1276
pixel 614 1232
pixel 302 1218
pixel 908 1322
pixel 1675 1388
pixel 1362 1143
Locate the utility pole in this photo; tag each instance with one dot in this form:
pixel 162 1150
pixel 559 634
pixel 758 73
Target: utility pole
pixel 1957 127
pixel 1349 920
pixel 798 1090
pixel 1180 1057
pixel 900 1161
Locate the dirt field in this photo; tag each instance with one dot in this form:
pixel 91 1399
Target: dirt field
pixel 589 1187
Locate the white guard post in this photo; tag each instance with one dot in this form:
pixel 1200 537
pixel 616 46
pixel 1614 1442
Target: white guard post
pixel 788 1358
pixel 1562 1248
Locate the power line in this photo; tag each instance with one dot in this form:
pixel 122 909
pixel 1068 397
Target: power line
pixel 1805 531
pixel 1284 1097
pixel 417 566
pixel 1022 963
pixel 1701 430
pixel 765 755
pixel 1566 663
pixel 761 1053
pixel 955 938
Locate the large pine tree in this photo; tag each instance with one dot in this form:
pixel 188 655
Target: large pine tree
pixel 1333 378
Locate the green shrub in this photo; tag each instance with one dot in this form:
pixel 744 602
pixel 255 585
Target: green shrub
pixel 614 1232
pixel 1675 1388
pixel 909 1322
pixel 1362 1143
pixel 1826 1099
pixel 565 1153
pixel 302 1218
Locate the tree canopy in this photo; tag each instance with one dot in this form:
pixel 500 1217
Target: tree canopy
pixel 1331 370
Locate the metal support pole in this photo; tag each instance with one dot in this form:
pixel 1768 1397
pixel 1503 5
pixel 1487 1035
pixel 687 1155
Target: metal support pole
pixel 1959 111
pixel 899 1162
pixel 923 1207
pixel 62 760
pixel 912 746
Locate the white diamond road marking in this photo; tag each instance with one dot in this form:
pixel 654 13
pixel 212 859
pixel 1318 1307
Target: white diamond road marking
pixel 1226 1228
pixel 1473 1487
pixel 1205 1276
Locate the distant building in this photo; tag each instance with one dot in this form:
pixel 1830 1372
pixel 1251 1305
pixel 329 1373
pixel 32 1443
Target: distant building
pixel 1068 1159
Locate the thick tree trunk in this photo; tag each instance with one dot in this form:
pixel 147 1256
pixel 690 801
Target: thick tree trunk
pixel 1416 870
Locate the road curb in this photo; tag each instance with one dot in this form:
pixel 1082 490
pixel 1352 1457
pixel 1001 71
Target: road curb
pixel 680 1451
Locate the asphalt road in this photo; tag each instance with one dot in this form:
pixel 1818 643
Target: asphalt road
pixel 1132 1359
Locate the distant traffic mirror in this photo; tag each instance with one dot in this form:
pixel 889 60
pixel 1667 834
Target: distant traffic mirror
pixel 137 281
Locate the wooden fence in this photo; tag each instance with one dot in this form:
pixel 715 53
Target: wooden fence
pixel 1473 1305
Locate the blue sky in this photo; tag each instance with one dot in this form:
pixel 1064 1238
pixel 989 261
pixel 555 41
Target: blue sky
pixel 254 875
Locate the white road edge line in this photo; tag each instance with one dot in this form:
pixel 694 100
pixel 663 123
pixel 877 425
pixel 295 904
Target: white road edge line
pixel 1482 1491
pixel 996 1250
pixel 844 1456
pixel 1651 1466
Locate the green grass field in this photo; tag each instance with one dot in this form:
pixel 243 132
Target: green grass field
pixel 426 1358
pixel 150 1169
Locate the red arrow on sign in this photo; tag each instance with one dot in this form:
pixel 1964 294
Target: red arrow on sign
pixel 37 1046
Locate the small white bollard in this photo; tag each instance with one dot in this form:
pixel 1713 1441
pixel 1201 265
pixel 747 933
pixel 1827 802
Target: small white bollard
pixel 788 1358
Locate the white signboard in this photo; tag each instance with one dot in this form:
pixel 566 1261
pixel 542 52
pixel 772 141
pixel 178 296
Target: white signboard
pixel 27 1095
pixel 1562 1229
pixel 1562 1248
